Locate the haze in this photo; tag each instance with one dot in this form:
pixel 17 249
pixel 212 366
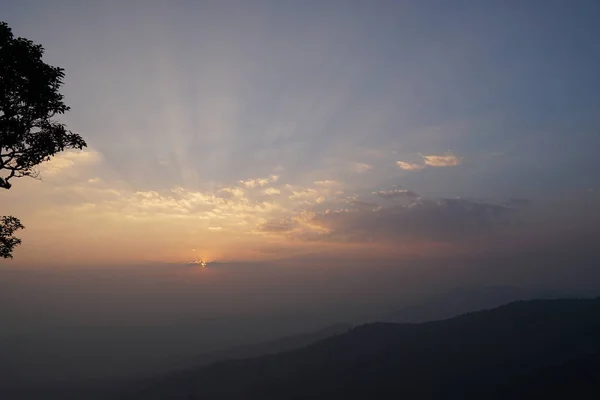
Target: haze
pixel 331 161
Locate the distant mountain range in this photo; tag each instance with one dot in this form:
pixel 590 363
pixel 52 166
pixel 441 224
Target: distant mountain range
pixel 526 349
pixel 273 346
pixel 15 387
pixel 468 299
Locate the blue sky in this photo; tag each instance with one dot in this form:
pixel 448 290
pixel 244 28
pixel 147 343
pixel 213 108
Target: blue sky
pixel 323 103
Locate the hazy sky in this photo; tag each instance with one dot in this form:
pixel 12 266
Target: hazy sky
pixel 253 130
pixel 334 160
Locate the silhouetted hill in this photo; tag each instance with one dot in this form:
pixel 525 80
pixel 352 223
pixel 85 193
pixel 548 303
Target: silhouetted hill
pixel 479 355
pixel 575 379
pixel 468 299
pixel 273 346
pixel 14 386
pixel 130 350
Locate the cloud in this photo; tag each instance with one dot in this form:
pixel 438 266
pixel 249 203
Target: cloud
pixel 362 167
pixel 233 192
pixel 396 193
pixel 277 226
pixel 327 183
pixel 408 166
pixel 259 182
pixel 320 192
pixel 252 183
pixel 272 191
pixel 446 160
pixel 444 220
pixel 303 194
pixel 68 160
pixel 226 209
pixel 355 204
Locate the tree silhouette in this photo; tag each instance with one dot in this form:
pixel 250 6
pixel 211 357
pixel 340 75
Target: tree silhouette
pixel 29 134
pixel 7 242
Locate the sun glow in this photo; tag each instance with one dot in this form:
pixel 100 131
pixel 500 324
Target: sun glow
pixel 199 262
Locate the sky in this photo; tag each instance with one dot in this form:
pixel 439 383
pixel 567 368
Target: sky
pixel 332 161
pixel 239 131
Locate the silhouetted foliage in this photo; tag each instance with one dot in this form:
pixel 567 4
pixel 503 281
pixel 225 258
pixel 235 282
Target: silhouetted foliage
pixel 7 242
pixel 29 101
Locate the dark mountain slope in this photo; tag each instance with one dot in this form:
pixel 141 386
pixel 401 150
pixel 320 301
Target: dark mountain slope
pixel 477 355
pixel 273 346
pixel 469 299
pixel 575 379
pixel 15 386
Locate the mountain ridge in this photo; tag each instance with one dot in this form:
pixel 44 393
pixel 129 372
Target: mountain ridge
pixel 467 356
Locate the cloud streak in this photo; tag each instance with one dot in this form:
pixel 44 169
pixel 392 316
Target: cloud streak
pixel 362 167
pixel 445 220
pixel 445 160
pixel 413 220
pixel 409 166
pixel 396 193
pixel 68 160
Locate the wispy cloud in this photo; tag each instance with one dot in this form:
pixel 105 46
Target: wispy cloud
pixel 362 167
pixel 277 225
pixel 445 220
pixel 396 193
pixel 234 191
pixel 304 193
pixel 327 183
pixel 252 183
pixel 446 160
pixel 409 166
pixel 69 160
pixel 259 182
